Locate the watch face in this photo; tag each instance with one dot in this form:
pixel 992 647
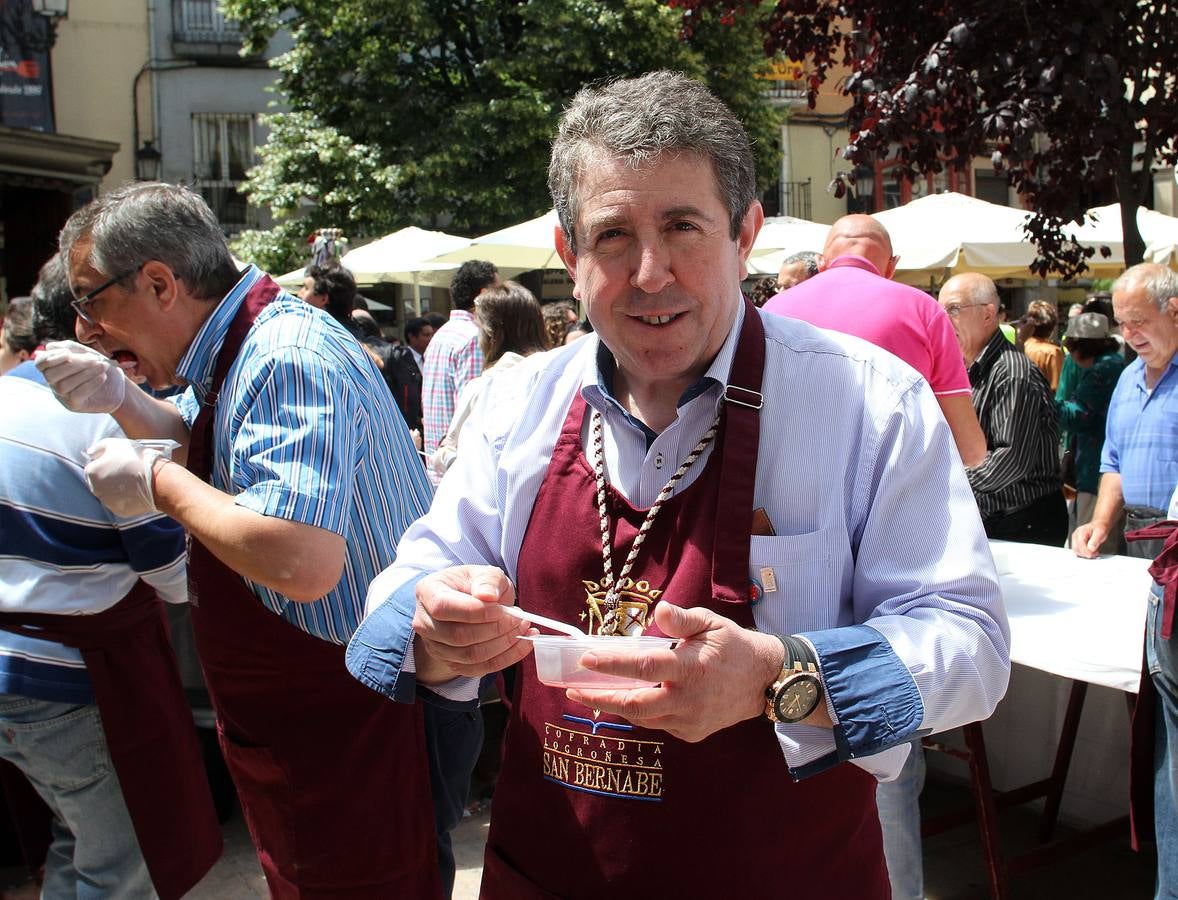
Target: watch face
pixel 797 698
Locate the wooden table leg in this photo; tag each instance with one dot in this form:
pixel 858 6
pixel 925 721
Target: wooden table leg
pixel 983 792
pixel 1063 759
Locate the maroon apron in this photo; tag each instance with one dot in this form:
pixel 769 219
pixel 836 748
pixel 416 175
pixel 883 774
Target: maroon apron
pixel 332 777
pixel 1144 723
pixel 591 807
pixel 149 731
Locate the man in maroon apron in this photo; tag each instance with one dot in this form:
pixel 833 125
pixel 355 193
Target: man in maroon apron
pixel 91 707
pixel 755 488
pixel 299 477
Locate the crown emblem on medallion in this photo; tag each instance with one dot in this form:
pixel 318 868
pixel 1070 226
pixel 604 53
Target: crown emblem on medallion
pixel 636 600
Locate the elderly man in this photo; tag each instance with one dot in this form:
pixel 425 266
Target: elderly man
pixel 774 497
pixel 853 293
pixel 287 438
pixel 796 268
pixel 1139 466
pixel 91 704
pixel 1139 461
pixel 1017 486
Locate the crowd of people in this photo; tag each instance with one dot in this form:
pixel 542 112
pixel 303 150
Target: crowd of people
pixel 799 491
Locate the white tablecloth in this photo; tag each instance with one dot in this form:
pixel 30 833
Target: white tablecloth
pixel 1078 618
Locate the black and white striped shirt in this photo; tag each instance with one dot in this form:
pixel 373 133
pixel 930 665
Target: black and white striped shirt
pixel 1016 411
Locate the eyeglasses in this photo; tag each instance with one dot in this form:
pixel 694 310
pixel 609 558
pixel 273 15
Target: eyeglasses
pixel 79 304
pixel 954 309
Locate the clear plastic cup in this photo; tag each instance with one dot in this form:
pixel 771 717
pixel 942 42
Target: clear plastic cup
pixel 558 659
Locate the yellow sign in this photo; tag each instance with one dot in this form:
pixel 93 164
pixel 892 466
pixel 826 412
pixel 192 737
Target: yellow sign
pixel 785 70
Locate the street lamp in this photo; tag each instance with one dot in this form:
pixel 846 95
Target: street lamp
pixel 147 162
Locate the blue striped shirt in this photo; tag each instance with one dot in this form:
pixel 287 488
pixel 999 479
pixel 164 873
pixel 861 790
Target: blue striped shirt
pixel 306 430
pixel 61 550
pixel 1141 436
pixel 879 556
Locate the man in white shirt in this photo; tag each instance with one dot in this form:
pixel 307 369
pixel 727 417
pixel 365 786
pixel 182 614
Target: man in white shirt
pixel 776 498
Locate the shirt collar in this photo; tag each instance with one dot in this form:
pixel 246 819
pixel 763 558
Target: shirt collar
pixel 994 347
pixel 597 384
pixel 851 261
pixel 196 365
pixel 1139 375
pixel 464 314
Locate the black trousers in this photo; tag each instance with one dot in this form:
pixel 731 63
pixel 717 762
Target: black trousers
pixel 1043 521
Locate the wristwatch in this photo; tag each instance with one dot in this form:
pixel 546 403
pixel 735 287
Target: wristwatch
pixel 797 691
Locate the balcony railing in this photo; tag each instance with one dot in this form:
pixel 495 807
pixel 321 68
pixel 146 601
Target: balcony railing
pixel 795 199
pixel 202 22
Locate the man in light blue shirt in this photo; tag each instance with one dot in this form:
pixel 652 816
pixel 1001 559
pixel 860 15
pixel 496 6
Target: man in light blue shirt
pixel 1139 461
pixel 865 559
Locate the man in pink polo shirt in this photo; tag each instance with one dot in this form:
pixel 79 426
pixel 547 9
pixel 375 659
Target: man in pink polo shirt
pixel 852 293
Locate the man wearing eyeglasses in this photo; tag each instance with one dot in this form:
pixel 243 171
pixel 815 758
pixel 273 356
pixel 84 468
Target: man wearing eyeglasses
pixel 1017 485
pixel 287 438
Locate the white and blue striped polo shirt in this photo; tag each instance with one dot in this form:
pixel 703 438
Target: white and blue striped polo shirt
pixel 306 430
pixel 61 550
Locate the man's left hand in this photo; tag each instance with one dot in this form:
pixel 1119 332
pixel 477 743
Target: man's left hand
pixel 120 474
pixel 715 677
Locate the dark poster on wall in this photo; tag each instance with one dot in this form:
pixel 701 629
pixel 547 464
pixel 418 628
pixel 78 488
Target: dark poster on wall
pixel 26 94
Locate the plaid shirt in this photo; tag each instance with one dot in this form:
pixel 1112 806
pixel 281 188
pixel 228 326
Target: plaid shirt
pixel 452 359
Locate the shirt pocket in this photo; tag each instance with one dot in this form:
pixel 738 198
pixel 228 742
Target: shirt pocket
pixel 799 578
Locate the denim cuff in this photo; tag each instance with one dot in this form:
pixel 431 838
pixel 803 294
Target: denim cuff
pixel 376 652
pixel 874 696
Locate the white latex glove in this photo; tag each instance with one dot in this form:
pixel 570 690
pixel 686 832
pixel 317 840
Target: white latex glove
pixel 119 474
pixel 82 378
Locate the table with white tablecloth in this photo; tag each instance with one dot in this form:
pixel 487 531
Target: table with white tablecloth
pixel 1073 623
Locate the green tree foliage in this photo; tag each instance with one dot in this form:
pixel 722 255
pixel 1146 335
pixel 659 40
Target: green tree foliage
pixel 433 112
pixel 1066 98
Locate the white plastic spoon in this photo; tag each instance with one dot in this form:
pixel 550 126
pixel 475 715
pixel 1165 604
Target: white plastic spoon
pixel 536 619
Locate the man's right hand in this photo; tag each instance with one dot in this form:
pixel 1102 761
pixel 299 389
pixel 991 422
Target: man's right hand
pixel 82 378
pixel 460 627
pixel 1087 539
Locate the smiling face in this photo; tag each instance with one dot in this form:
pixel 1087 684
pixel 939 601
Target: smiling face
pixel 656 269
pixel 1146 328
pixel 134 322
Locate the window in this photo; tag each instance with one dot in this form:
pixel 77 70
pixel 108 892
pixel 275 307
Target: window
pixel 223 151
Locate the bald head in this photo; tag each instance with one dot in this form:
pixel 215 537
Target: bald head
pixel 859 235
pixel 971 300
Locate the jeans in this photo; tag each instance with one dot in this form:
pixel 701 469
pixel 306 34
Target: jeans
pixel 1161 657
pixel 899 817
pixel 453 739
pixel 61 749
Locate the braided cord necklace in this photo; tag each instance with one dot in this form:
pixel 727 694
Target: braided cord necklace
pixel 612 621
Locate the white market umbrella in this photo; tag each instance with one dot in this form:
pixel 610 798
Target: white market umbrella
pixel 783 236
pixel 946 234
pixel 401 257
pixel 518 248
pixel 1103 229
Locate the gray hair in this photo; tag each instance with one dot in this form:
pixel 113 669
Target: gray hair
pixel 636 120
pixel 1159 282
pixel 143 221
pixel 809 257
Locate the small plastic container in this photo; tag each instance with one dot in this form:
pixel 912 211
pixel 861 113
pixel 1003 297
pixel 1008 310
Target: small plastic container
pixel 558 659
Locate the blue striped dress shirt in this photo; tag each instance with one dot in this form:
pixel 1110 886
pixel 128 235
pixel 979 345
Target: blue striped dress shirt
pixel 879 555
pixel 306 430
